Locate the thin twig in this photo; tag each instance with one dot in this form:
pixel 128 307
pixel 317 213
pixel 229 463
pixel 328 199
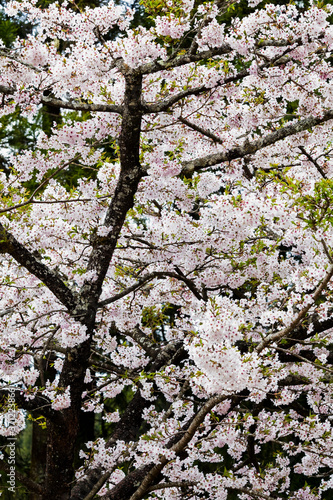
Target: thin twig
pixel 313 161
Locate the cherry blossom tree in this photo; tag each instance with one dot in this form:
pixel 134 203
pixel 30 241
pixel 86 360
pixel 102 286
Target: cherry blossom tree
pixel 180 289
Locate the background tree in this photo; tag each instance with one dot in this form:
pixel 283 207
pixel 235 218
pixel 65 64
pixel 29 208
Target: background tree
pixel 165 249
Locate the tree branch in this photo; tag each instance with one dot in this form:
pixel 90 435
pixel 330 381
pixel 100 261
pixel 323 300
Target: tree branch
pixel 143 341
pixel 10 245
pixel 302 358
pixel 4 89
pixel 273 337
pixel 102 480
pixel 81 106
pixel 253 494
pixel 165 104
pixel 201 130
pixel 178 447
pixel 132 288
pixel 70 103
pixel 123 199
pixel 252 147
pixel 182 59
pixel 313 161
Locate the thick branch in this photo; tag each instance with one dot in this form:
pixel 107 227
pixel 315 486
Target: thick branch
pixel 190 57
pixel 201 130
pixel 102 480
pixel 182 59
pixel 143 341
pixel 82 106
pixel 69 104
pixel 165 104
pixel 252 147
pixel 6 54
pixel 178 447
pixel 39 405
pixel 123 199
pixel 4 89
pixel 10 245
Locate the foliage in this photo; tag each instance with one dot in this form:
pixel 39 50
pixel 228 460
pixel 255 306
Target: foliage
pixel 166 250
